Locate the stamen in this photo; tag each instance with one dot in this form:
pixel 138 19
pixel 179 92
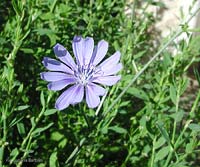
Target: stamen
pixel 85 73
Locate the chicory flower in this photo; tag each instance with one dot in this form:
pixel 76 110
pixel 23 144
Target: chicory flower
pixel 84 76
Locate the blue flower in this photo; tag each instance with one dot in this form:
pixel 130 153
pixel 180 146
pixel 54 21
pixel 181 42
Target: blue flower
pixel 84 75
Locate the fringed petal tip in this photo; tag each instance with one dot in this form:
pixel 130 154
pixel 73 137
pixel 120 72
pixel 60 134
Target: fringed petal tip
pixel 44 61
pixel 42 75
pixel 59 50
pixel 77 38
pixel 56 46
pixel 60 108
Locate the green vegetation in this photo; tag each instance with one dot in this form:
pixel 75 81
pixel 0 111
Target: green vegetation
pixel 150 118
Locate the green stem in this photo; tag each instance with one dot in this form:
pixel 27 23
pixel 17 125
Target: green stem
pixel 101 103
pixel 142 71
pixel 86 119
pixel 174 128
pixel 153 152
pixel 27 141
pixel 195 105
pixel 10 83
pixel 139 73
pixel 4 137
pixel 178 33
pixel 177 106
pixel 176 144
pixel 25 152
pixel 168 158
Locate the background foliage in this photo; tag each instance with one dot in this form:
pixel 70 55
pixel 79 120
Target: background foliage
pixel 155 123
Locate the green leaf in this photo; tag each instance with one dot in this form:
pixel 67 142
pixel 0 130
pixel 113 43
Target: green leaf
pixel 166 61
pixel 2 40
pixel 42 99
pixel 189 147
pixel 27 50
pixel 194 127
pixel 14 153
pixel 44 31
pixel 41 165
pixel 53 160
pixel 162 153
pixel 161 141
pixel 15 121
pixel 76 150
pixel 21 129
pixel 33 121
pixel 184 85
pixel 48 32
pixel 20 108
pixel 104 130
pixel 16 7
pixel 56 136
pixel 1 151
pixel 47 16
pixel 118 129
pixel 163 132
pixel 197 75
pixel 180 164
pixel 138 93
pixel 178 116
pixel 62 143
pixel 124 103
pixel 50 112
pixel 173 94
pixel 39 130
pixel 139 54
pixel 20 89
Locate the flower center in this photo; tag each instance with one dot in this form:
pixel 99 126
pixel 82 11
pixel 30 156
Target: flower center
pixel 84 74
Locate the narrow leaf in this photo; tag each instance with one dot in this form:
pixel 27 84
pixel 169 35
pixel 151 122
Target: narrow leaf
pixel 162 153
pixel 39 130
pixel 50 112
pixel 138 93
pixel 163 132
pixel 194 127
pixel 118 129
pixel 161 141
pixel 173 94
pixel 21 129
pixel 42 99
pixel 53 160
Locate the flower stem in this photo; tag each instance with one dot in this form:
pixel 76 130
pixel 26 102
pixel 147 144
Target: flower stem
pixel 27 141
pixel 86 118
pixel 178 33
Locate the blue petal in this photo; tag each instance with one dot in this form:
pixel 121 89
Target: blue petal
pixel 107 80
pixel 64 55
pixel 83 49
pixel 59 85
pixel 112 60
pixel 54 76
pixel 77 46
pixel 72 95
pixel 88 50
pixel 54 65
pixel 99 52
pixel 98 90
pixel 92 99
